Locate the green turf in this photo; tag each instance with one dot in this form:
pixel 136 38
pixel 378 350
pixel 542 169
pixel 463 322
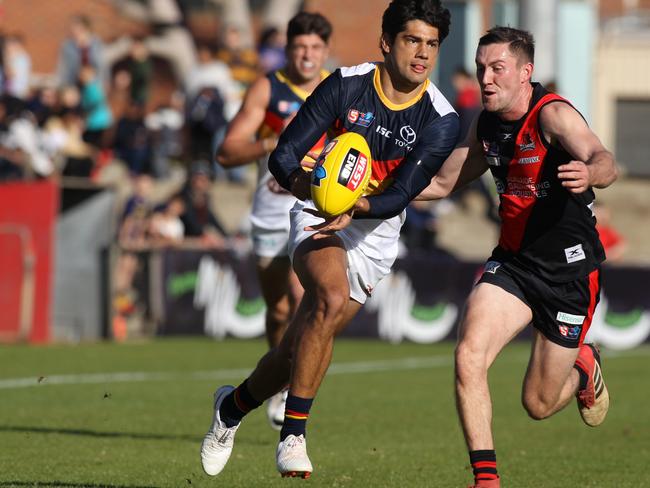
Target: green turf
pixel 393 428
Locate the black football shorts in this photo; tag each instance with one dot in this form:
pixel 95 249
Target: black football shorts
pixel 561 311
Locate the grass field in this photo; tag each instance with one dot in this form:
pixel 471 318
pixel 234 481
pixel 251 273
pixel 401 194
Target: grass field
pixel 384 418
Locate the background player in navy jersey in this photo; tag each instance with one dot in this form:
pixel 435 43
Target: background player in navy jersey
pixel 411 128
pixel 545 270
pixel 269 105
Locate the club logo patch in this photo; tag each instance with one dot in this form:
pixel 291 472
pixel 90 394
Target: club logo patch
pixel 570 332
pixel 364 119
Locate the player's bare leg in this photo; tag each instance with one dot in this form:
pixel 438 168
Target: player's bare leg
pixel 551 381
pixel 326 307
pixel 492 318
pixel 282 293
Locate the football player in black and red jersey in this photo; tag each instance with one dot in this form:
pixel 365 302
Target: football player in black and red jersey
pixel 546 268
pixel 411 129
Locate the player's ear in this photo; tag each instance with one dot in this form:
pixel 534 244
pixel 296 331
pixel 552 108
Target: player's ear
pixel 526 72
pixel 385 43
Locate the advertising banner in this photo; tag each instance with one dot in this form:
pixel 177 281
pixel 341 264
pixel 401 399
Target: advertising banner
pixel 216 294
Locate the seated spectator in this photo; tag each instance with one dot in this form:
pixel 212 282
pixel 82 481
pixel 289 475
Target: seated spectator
pixel 199 220
pixel 21 151
pixel 166 228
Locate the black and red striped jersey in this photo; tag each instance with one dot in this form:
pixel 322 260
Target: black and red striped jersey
pixel 408 142
pixel 544 227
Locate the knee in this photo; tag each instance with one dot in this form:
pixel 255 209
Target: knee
pixel 536 405
pixel 470 362
pixel 329 308
pixel 279 313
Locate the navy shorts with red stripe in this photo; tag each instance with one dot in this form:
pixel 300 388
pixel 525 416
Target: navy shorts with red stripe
pixel 561 311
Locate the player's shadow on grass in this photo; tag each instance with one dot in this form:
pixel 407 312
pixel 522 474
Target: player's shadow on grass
pixel 116 435
pixel 96 433
pixel 65 484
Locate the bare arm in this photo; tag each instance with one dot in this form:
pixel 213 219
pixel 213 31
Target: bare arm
pixel 593 165
pixel 239 146
pixel 464 164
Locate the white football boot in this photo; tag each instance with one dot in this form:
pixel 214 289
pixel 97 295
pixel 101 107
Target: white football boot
pixel 217 443
pixel 291 458
pixel 275 409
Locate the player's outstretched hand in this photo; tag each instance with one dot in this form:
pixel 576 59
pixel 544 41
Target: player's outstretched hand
pixel 330 225
pixel 574 176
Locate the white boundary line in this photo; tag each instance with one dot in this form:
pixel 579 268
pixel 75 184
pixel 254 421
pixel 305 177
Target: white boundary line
pixel 221 374
pixel 411 363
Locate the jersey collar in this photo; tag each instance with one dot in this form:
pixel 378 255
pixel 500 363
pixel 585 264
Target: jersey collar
pixel 395 106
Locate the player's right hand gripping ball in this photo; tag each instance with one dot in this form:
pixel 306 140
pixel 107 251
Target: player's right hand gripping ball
pixel 341 174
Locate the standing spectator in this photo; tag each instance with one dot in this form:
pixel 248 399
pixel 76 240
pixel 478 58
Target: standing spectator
pixel 271 50
pixel 93 102
pixel 242 60
pixel 468 98
pixel 17 67
pixel 132 143
pixel 140 69
pixel 209 72
pixel 81 48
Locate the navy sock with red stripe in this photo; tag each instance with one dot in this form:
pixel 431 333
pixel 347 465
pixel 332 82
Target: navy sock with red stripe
pixel 296 414
pixel 237 404
pixel 484 464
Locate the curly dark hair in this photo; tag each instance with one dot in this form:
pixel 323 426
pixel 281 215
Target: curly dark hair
pixel 399 12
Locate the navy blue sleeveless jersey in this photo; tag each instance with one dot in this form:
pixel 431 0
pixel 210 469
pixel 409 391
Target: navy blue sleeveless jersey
pixel 408 142
pixel 286 100
pixel 544 227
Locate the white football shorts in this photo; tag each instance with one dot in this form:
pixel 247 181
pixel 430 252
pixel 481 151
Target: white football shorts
pixel 371 244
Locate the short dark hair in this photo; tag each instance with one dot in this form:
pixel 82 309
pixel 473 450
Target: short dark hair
pixel 309 23
pixel 520 42
pixel 399 12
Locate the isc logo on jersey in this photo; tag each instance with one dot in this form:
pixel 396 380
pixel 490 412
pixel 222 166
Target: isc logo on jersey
pixel 342 174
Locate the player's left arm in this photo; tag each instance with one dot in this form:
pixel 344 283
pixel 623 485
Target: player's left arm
pixel 593 165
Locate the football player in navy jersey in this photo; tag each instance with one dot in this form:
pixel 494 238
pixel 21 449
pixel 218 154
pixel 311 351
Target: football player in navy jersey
pixel 411 129
pixel 546 268
pixel 270 103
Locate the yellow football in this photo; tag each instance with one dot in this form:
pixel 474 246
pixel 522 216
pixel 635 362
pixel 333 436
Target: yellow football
pixel 341 174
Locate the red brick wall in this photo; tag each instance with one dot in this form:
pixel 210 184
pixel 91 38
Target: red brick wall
pixel 357 27
pixel 44 24
pixel 614 8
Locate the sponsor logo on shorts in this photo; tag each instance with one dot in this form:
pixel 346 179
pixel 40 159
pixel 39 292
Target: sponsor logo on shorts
pixel 353 169
pixel 491 267
pixel 317 175
pixel 570 332
pixel 569 318
pixel 364 119
pixel 574 253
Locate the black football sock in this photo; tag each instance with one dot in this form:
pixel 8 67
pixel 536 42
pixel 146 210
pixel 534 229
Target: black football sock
pixel 237 404
pixel 296 414
pixel 484 464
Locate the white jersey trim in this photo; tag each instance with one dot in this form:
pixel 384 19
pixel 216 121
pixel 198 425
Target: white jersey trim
pixel 440 103
pixel 358 70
